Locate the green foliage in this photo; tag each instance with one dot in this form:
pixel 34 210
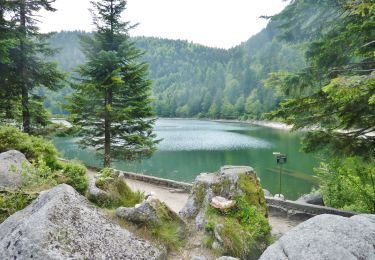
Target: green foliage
pixel 166 233
pixel 35 178
pixel 334 93
pixel 191 80
pixel 75 175
pixel 34 148
pixel 24 67
pixel 244 230
pixel 13 201
pixel 113 88
pixel 348 184
pixel 253 192
pixel 119 194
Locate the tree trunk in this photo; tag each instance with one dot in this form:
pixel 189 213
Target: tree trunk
pixel 24 88
pixel 107 129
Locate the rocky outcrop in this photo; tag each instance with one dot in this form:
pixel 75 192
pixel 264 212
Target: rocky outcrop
pixel 153 211
pixel 229 182
pixel 61 224
pixel 312 198
pixel 327 237
pixel 11 167
pixel 231 207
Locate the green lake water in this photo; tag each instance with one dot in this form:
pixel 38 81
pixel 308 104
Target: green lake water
pixel 190 147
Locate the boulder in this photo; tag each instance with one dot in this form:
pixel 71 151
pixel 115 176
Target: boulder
pixel 153 211
pixel 228 182
pixel 327 237
pixel 11 167
pixel 222 204
pixel 95 194
pixel 312 198
pixel 62 224
pixel 227 258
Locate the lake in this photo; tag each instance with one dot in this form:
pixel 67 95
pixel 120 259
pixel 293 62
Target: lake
pixel 190 147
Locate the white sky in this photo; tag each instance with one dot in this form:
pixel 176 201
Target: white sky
pixel 216 23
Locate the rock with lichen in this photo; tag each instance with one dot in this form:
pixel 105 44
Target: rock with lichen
pixel 62 224
pixel 231 207
pixel 229 182
pixel 11 163
pixel 153 212
pixel 327 237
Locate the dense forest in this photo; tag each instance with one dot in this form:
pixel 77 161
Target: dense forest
pixel 191 80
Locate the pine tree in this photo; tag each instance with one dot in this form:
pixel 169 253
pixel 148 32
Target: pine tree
pixel 336 92
pixel 111 100
pixel 27 68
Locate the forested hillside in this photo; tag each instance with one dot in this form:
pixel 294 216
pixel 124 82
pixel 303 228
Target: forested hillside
pixel 191 80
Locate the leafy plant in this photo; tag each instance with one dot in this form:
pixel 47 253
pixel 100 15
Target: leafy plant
pixel 75 175
pixel 34 148
pixel 348 184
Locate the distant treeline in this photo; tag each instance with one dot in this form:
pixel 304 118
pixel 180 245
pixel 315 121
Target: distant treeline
pixel 191 80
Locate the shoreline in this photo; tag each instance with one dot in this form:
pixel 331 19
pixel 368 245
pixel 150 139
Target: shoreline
pixel 265 123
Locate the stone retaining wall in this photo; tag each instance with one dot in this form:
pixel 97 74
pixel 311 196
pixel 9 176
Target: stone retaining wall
pixel 157 181
pixel 301 211
pixel 284 208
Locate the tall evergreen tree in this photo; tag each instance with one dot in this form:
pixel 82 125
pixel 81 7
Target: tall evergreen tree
pixel 111 100
pixel 6 43
pixel 336 92
pixel 27 68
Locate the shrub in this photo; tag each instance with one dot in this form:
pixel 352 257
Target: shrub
pixel 34 148
pixel 75 175
pixel 13 201
pixel 348 184
pixel 35 178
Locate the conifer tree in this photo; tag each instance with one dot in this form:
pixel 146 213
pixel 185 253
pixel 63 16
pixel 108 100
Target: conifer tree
pixel 26 68
pixel 111 100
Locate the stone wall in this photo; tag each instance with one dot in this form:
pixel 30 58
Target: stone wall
pixel 284 208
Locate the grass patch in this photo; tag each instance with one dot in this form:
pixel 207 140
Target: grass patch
pixel 254 194
pixel 245 230
pixel 119 194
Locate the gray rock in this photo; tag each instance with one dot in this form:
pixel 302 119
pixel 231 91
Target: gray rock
pixel 223 183
pixel 227 258
pixel 217 229
pixel 94 193
pixel 62 224
pixel 198 258
pixel 312 198
pixel 267 193
pixel 152 210
pixel 327 237
pixel 11 167
pixel 141 213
